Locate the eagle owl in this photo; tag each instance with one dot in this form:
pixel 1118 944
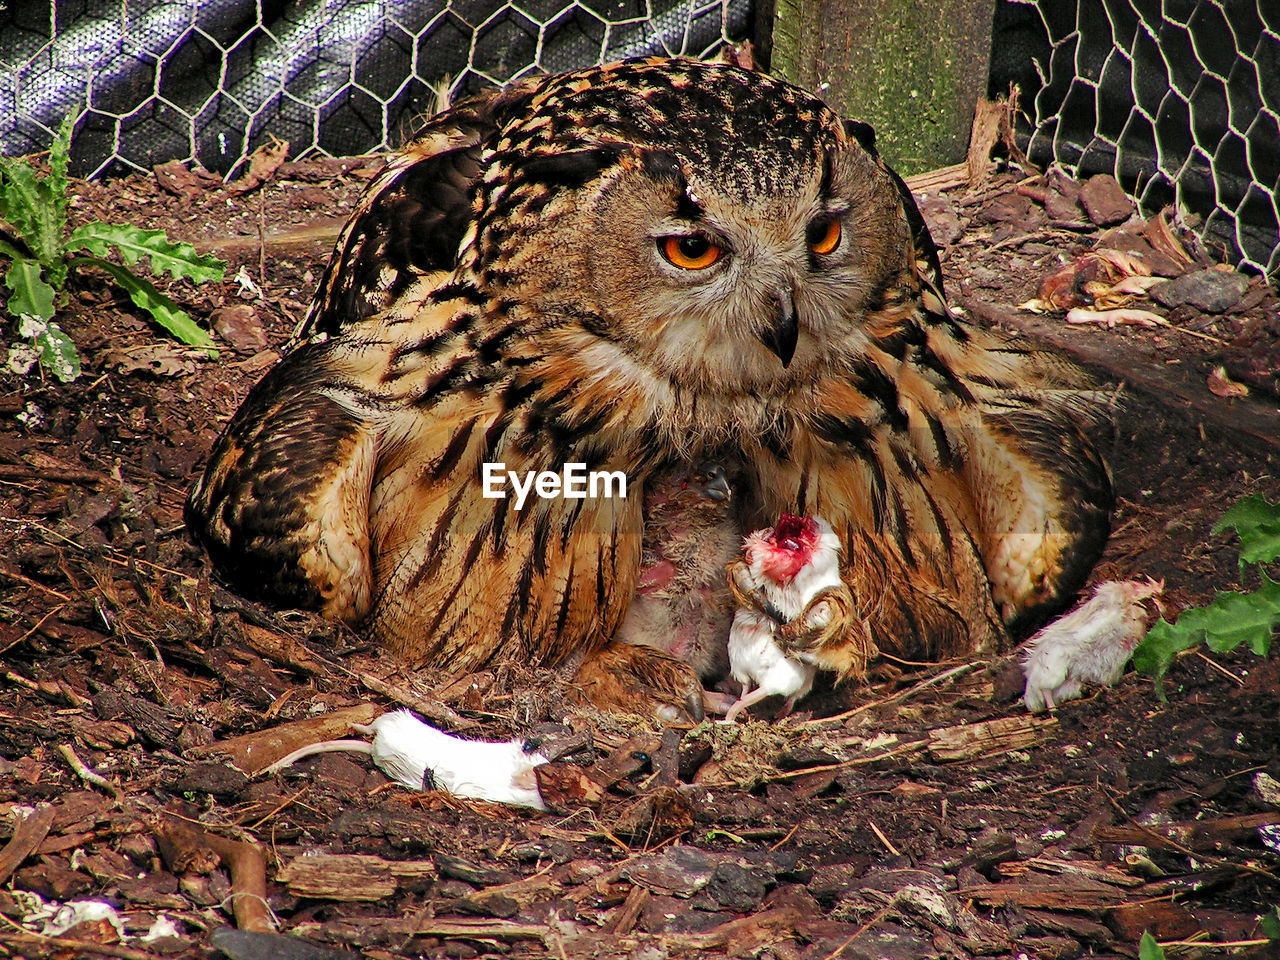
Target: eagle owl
pixel 637 267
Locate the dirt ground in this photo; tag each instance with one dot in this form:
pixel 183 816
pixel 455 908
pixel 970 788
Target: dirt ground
pixel 923 814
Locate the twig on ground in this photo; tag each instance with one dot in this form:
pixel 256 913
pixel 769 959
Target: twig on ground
pixel 888 845
pixel 893 698
pixel 83 771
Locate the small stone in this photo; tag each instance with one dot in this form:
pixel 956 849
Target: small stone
pixel 1212 291
pixel 736 887
pixel 1104 201
pixel 940 215
pixel 1063 209
pixel 218 779
pixel 239 326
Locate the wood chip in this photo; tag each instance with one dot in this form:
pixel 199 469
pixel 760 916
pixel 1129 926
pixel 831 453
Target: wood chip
pixel 351 876
pixel 1164 919
pixel 478 930
pixel 1195 835
pixel 990 738
pixel 31 828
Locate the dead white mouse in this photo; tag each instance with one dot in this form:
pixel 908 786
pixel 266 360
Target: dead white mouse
pixel 424 758
pixel 789 578
pixel 1091 644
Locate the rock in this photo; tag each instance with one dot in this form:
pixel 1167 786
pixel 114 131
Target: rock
pixel 1104 201
pixel 676 871
pixel 239 326
pixel 736 887
pixel 1063 209
pixel 218 779
pixel 939 214
pixel 1062 199
pixel 1010 208
pixel 1213 291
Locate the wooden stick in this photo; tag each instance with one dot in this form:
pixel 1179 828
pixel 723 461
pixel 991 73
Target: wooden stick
pixel 187 847
pixel 480 930
pixel 624 921
pixel 883 839
pixel 88 775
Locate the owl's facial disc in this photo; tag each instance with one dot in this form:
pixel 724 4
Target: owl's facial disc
pixel 722 283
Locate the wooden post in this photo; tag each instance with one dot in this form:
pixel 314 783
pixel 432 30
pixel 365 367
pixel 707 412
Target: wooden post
pixel 912 70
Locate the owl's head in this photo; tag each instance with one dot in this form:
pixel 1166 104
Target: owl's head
pixel 711 225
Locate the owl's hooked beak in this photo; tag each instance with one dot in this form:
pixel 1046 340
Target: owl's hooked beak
pixel 782 336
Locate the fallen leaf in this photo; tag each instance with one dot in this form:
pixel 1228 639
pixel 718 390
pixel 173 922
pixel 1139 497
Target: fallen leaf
pixel 1221 385
pixel 1143 318
pixel 263 163
pixel 157 359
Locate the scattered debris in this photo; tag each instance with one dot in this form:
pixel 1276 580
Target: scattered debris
pixel 239 326
pixel 183 181
pixel 263 164
pixel 1012 834
pixel 1104 201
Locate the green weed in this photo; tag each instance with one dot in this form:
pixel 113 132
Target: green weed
pixel 34 239
pixel 1232 618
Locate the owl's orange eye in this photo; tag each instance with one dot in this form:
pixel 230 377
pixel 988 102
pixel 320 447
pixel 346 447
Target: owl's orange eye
pixel 823 235
pixel 689 252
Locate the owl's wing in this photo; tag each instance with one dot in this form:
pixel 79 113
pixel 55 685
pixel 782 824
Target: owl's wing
pixel 409 223
pixel 928 265
pixel 282 505
pixel 463 576
pixel 352 479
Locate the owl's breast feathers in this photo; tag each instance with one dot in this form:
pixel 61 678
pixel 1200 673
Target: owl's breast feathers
pixel 447 333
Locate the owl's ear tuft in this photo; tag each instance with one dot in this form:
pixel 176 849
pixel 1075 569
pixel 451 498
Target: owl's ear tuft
pixel 864 133
pixel 662 165
pixel 665 166
pixel 572 169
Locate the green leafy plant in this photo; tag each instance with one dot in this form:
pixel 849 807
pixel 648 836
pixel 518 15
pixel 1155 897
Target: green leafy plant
pixel 34 239
pixel 1149 948
pixel 1232 618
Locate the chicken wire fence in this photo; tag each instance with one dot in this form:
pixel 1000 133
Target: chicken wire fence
pixel 211 80
pixel 1179 99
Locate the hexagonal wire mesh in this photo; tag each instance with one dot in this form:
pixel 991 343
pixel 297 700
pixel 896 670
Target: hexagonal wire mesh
pixel 1180 100
pixel 210 80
